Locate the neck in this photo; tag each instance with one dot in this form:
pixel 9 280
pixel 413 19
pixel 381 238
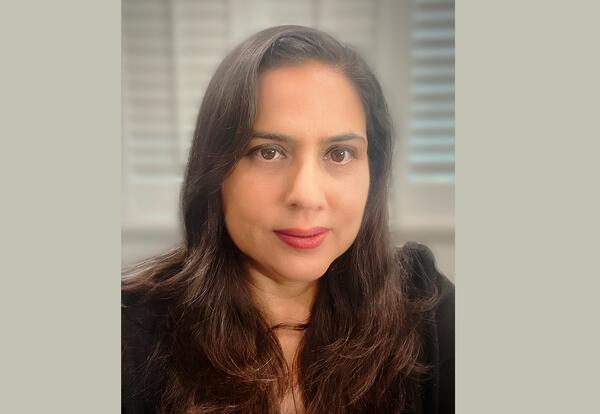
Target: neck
pixel 282 301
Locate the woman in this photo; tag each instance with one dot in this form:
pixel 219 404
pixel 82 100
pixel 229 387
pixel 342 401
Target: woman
pixel 286 294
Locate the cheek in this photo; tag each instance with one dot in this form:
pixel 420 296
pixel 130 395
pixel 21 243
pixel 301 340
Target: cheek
pixel 349 200
pixel 248 202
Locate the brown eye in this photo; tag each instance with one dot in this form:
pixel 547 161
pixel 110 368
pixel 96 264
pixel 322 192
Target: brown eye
pixel 268 153
pixel 338 155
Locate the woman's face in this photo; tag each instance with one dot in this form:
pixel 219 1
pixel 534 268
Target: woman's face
pixel 295 201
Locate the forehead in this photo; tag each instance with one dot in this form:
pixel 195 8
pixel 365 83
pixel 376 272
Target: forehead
pixel 309 99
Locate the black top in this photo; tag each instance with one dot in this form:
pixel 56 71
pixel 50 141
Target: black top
pixel 436 395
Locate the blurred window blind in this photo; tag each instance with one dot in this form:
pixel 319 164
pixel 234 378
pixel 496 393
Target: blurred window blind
pixel 201 40
pixel 431 134
pixel 172 47
pixel 424 192
pixel 151 164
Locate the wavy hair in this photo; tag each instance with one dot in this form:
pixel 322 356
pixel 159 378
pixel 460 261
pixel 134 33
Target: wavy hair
pixel 360 351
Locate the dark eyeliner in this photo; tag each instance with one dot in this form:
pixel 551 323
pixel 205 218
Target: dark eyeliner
pixel 254 150
pixel 350 150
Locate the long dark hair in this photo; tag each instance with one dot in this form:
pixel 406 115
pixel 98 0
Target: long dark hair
pixel 360 350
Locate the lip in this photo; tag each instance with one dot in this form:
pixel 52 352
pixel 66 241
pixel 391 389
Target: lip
pixel 303 238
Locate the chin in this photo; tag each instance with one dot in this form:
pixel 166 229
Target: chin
pixel 303 272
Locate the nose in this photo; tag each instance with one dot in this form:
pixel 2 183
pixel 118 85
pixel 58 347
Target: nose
pixel 306 185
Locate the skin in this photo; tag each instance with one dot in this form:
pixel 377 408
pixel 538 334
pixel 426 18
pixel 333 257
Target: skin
pixel 303 181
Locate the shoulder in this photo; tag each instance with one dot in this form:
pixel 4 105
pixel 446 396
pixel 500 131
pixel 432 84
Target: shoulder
pixel 142 324
pixel 425 280
pixel 136 314
pixel 423 276
pixel 140 336
pixel 139 324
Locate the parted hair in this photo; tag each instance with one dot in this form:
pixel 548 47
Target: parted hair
pixel 217 354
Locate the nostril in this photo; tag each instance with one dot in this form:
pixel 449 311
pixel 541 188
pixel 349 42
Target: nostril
pixel 306 197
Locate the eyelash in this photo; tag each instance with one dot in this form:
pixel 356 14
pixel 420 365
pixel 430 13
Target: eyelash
pixel 256 150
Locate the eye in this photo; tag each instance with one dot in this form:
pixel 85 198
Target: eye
pixel 340 155
pixel 267 153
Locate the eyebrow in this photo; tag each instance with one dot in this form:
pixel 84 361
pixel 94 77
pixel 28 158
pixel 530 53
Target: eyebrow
pixel 286 138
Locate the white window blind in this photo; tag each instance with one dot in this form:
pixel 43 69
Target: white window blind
pixel 431 134
pixel 423 193
pixel 151 162
pixel 200 40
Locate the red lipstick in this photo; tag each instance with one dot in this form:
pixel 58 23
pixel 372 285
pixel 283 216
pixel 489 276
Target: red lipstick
pixel 303 238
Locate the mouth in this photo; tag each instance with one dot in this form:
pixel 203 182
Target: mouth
pixel 303 238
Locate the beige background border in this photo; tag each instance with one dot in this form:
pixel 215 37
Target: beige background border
pixel 60 129
pixel 527 206
pixel 526 202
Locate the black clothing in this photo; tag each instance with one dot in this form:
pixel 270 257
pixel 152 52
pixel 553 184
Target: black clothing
pixel 140 329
